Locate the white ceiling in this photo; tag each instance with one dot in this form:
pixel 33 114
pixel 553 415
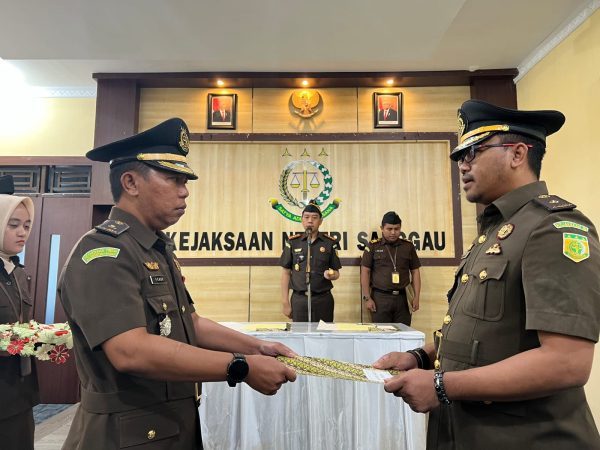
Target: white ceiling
pixel 62 42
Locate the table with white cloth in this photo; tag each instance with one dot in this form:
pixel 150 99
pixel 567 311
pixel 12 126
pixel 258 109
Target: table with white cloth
pixel 315 412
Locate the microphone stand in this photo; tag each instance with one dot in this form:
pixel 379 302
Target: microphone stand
pixel 308 289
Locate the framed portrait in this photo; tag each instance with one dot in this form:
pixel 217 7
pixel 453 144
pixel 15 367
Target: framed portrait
pixel 387 109
pixel 222 111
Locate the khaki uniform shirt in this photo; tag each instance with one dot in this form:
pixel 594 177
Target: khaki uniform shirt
pixel 533 268
pixel 18 379
pixel 323 256
pixel 383 258
pixel 119 277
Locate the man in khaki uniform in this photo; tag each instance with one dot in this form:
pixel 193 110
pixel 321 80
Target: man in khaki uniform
pixel 387 267
pixel 140 348
pixel 321 269
pixel 517 343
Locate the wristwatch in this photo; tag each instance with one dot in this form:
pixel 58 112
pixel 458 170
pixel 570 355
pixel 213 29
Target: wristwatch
pixel 237 370
pixel 365 298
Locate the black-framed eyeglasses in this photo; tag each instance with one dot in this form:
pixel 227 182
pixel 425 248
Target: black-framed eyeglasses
pixel 469 154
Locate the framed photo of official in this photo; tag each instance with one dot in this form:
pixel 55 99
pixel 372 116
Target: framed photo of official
pixel 222 111
pixel 387 109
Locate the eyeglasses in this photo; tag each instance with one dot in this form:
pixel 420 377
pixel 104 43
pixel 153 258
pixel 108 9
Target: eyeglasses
pixel 469 154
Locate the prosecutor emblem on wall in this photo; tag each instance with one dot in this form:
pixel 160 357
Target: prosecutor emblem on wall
pixel 300 182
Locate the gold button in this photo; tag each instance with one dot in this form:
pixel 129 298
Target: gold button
pixel 183 308
pixel 464 278
pixel 164 306
pixel 483 274
pixel 447 319
pixel 482 239
pixel 151 434
pixel 436 365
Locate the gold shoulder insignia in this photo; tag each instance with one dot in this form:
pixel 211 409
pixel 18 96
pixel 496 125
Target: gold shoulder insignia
pixel 375 241
pixel 329 237
pixel 554 203
pixel 112 227
pixel 295 236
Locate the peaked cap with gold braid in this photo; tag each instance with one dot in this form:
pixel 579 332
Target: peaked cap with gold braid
pixel 478 121
pixel 164 147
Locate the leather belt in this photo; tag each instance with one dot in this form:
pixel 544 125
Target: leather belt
pixel 397 292
pixel 312 292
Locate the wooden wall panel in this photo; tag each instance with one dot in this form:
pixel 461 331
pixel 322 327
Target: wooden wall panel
pixel 265 294
pixel 236 181
pixel 219 293
pixel 191 104
pixel 273 112
pixel 424 108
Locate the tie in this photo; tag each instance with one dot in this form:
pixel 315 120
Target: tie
pixel 385 114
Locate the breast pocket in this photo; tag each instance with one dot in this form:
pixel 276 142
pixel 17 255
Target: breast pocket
pixel 486 297
pixel 160 307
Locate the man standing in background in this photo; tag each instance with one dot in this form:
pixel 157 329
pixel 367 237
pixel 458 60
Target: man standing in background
pixel 388 266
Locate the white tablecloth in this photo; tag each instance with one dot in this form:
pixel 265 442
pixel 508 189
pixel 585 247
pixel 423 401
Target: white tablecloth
pixel 313 412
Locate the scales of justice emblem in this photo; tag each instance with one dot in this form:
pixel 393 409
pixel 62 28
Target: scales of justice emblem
pixel 301 182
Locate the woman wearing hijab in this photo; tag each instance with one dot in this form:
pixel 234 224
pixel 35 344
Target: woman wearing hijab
pixel 18 380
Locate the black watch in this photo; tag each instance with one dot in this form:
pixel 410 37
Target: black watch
pixel 365 298
pixel 237 370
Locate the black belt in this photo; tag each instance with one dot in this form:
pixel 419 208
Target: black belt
pixel 311 292
pixel 398 292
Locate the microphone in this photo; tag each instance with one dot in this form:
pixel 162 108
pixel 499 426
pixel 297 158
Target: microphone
pixel 308 233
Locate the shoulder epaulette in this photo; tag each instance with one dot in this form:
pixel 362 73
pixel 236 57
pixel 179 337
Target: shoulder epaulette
pixel 554 203
pixel 295 236
pixel 112 227
pixel 406 240
pixel 375 241
pixel 330 237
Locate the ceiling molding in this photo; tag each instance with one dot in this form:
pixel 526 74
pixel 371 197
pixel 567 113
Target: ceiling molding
pixel 555 39
pixel 63 92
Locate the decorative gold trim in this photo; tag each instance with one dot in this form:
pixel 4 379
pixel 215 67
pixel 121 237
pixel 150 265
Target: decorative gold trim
pixel 482 130
pixel 161 157
pixel 176 167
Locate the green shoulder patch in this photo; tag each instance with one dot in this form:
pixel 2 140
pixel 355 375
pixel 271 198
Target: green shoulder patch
pixel 569 224
pixel 554 203
pixel 100 252
pixel 576 247
pixel 112 227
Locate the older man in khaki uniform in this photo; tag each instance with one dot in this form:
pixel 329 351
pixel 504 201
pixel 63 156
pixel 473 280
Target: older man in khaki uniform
pixel 140 347
pixel 517 343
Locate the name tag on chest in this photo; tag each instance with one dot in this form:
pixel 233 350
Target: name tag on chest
pixel 157 279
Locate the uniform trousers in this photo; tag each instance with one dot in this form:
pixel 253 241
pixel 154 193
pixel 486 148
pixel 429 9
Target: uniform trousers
pixel 16 431
pixel 321 307
pixel 391 308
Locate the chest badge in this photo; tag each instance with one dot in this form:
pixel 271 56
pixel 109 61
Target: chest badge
pixel 297 250
pixel 165 326
pixel 297 267
pixel 494 250
pixel 322 249
pixel 151 265
pixel 505 231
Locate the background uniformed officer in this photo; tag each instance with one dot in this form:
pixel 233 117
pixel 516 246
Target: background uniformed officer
pixel 322 268
pixel 517 344
pixel 138 343
pixel 387 267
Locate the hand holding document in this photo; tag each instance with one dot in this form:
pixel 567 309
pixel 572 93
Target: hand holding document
pixel 323 367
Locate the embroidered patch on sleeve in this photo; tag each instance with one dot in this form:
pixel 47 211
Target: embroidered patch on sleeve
pixel 100 252
pixel 569 224
pixel 575 247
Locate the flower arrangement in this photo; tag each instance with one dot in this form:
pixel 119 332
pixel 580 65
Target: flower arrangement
pixel 50 342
